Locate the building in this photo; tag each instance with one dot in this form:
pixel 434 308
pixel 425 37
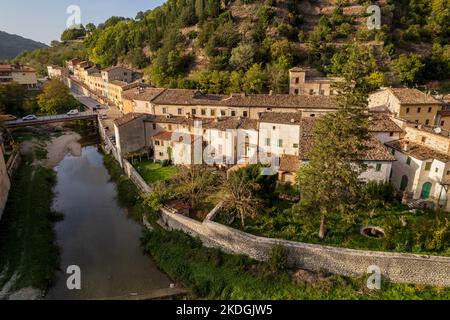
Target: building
pixel 405 103
pixel 17 73
pixel 443 119
pixel 57 72
pixel 383 128
pixel 121 74
pixel 139 99
pixel 113 91
pixel 307 81
pixel 71 64
pixel 82 72
pixel 420 172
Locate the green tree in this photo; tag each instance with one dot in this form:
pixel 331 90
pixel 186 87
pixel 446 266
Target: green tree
pixel 409 68
pixel 330 182
pixel 12 98
pixel 55 98
pixel 73 33
pixel 242 56
pixel 254 80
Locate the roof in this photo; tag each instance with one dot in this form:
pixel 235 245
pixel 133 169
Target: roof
pixel 293 118
pixel 289 163
pixel 182 120
pixel 142 93
pixel 163 135
pixel 375 152
pixel 116 67
pixel 194 97
pixel 444 113
pixel 128 118
pixel 418 151
pixel 412 96
pixel 223 124
pixel 381 122
pixel 118 83
pixel 15 68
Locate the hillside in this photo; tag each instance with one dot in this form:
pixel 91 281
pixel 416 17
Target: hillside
pixel 12 45
pixel 249 45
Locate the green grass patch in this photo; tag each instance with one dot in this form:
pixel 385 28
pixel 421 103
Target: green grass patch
pixel 212 274
pixel 153 172
pixel 27 237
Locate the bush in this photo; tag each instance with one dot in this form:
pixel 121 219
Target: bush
pixel 277 261
pixel 379 192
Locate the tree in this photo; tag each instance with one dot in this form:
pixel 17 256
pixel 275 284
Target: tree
pixel 330 182
pixel 12 98
pixel 73 33
pixel 90 27
pixel 254 80
pixel 55 98
pixel 409 68
pixel 242 56
pixel 241 198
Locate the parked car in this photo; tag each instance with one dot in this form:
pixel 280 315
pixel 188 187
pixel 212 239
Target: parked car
pixel 7 117
pixel 29 117
pixel 73 112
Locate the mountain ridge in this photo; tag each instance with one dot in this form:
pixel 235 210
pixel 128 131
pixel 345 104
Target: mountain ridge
pixel 12 45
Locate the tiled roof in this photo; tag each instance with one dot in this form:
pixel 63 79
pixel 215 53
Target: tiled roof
pixel 412 96
pixel 142 94
pixel 163 135
pixel 223 124
pixel 376 151
pixel 381 122
pixel 178 120
pixel 129 117
pixel 289 163
pixel 194 97
pixel 118 83
pixel 281 117
pixel 418 151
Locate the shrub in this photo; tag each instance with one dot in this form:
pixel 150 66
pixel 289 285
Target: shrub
pixel 379 192
pixel 277 261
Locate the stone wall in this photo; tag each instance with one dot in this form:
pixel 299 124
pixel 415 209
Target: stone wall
pixel 136 177
pixel 396 267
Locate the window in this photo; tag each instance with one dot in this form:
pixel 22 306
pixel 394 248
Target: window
pixel 429 109
pixel 442 123
pixel 427 166
pixel 233 113
pixel 436 170
pixel 219 147
pixel 322 92
pixel 203 112
pixel 157 143
pixel 295 145
pixel 297 80
pixel 391 134
pixel 312 115
pixel 393 151
pixel 311 92
pixel 407 110
pixel 164 110
pixel 280 143
pixel 424 139
pixel 223 113
pixel 180 111
pixel 448 172
pixel 161 154
pixel 213 113
pixel 244 113
pixel 296 91
pixel 269 109
pixel 274 128
pixel 378 167
pixel 154 126
pixel 427 121
pixel 408 161
pixel 194 112
pixel 268 142
pixel 418 110
pixel 169 127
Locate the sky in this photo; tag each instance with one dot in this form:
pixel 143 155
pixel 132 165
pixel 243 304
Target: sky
pixel 45 20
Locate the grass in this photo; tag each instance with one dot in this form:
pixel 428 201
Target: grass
pixel 212 274
pixel 27 237
pixel 153 172
pixel 425 232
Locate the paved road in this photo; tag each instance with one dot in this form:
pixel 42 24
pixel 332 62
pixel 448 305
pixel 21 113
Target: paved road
pixel 49 119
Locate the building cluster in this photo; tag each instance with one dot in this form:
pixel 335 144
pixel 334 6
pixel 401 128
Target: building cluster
pixel 409 141
pixel 17 73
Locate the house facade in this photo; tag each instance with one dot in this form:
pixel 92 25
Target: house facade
pixel 306 81
pixel 17 73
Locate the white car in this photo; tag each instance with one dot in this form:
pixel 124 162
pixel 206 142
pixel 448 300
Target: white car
pixel 72 112
pixel 29 117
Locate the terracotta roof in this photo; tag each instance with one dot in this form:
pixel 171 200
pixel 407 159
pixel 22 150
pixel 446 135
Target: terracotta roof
pixel 142 94
pixel 128 118
pixel 293 118
pixel 376 151
pixel 381 122
pixel 289 163
pixel 178 120
pixel 163 135
pixel 418 151
pixel 223 124
pixel 444 113
pixel 412 96
pixel 194 97
pixel 118 83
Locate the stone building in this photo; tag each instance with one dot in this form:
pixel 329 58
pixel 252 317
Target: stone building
pixel 17 73
pixel 405 103
pixel 307 81
pixel 57 72
pixel 139 99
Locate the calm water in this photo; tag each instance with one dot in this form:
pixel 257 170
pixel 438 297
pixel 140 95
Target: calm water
pixel 97 235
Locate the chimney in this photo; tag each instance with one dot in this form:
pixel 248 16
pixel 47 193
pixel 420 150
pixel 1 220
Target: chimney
pixel 406 146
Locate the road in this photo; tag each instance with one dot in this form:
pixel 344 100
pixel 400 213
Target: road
pixel 51 119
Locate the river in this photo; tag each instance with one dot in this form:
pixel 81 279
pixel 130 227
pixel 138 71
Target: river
pixel 97 235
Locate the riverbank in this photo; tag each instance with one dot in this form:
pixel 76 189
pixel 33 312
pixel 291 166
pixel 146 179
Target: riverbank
pixel 29 256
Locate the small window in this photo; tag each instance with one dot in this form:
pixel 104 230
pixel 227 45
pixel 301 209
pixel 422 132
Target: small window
pixel 448 172
pixel 269 109
pixel 391 134
pixel 156 142
pixel 296 91
pixel 407 110
pixel 194 112
pixel 161 154
pixel 280 143
pixel 203 112
pixel 408 161
pixel 322 92
pixel 154 126
pixel 244 114
pixel 268 142
pixel 423 139
pixel 442 123
pixel 427 166
pixel 378 167
pixel 233 113
pixel 311 92
pixel 427 121
pixel 429 109
pixel 180 111
pixel 274 128
pixel 223 113
pixel 295 145
pixel 213 113
pixel 164 110
pixel 436 170
pixel 169 127
pixel 418 110
pixel 297 80
pixel 312 115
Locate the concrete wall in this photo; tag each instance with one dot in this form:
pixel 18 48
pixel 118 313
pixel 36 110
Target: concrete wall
pixel 396 267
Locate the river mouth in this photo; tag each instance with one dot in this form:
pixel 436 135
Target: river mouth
pixel 97 235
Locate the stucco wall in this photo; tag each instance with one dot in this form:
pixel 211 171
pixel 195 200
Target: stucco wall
pixel 397 267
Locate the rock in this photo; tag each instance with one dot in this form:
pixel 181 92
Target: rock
pixel 26 294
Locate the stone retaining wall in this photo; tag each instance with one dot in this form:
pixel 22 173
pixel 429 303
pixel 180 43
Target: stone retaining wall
pixel 136 177
pixel 396 267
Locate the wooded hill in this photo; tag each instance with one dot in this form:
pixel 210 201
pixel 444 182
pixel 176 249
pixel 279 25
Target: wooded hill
pixel 12 45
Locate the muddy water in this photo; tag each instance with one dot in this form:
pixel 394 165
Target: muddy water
pixel 97 235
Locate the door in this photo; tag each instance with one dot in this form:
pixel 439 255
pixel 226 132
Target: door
pixel 404 183
pixel 426 188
